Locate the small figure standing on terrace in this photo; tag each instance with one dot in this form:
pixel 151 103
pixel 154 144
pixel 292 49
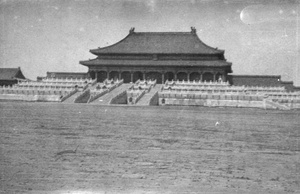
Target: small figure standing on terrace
pixel 98 87
pixel 220 79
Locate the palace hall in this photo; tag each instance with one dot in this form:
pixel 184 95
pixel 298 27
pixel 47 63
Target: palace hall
pixel 161 56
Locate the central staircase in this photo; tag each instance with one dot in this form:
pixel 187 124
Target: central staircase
pixel 105 99
pixel 145 100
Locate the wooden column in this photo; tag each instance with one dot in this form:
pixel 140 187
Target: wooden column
pixel 144 75
pixel 201 76
pixel 120 73
pixel 107 73
pixel 163 78
pixel 175 76
pixel 188 76
pixel 215 76
pixel 131 76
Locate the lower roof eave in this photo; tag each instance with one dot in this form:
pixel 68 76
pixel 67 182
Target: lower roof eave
pixel 144 63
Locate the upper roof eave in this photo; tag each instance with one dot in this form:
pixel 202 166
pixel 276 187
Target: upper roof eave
pixel 158 43
pixel 94 51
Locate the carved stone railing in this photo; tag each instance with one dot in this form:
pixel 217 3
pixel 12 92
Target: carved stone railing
pixel 83 97
pixel 139 96
pixel 74 80
pixel 187 83
pixel 94 82
pixel 212 96
pixel 85 87
pixel 69 95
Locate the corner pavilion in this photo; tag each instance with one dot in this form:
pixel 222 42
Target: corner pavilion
pixel 161 56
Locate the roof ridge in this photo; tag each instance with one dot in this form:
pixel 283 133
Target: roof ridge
pixel 162 33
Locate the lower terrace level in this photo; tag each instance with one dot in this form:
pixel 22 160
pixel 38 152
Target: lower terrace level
pixel 160 76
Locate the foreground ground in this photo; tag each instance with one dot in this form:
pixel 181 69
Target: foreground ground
pixel 79 148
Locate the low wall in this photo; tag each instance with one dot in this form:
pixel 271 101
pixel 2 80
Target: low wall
pixel 293 105
pixel 211 103
pixel 228 103
pixel 31 98
pixel 287 103
pixel 212 96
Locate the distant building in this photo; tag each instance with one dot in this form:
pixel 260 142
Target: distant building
pixel 65 75
pixel 161 56
pixel 10 76
pixel 261 80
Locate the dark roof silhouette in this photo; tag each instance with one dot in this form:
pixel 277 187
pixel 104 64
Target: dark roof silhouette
pixel 217 63
pixel 159 43
pixel 11 74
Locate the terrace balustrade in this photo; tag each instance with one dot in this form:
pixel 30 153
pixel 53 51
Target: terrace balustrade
pixel 198 86
pixel 35 90
pixel 70 80
pixel 197 83
pixel 108 84
pixel 143 85
pixel 138 90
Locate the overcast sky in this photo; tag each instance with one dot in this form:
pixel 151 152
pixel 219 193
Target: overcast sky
pixel 259 37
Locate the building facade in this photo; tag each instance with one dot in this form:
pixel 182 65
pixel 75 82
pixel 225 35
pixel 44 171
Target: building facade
pixel 161 56
pixel 261 81
pixel 10 76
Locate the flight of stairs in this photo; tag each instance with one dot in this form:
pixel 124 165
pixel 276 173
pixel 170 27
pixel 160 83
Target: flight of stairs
pixel 105 99
pixel 145 100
